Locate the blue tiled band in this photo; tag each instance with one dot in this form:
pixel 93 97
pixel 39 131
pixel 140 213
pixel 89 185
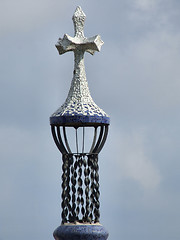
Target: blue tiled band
pixel 78 119
pixel 80 232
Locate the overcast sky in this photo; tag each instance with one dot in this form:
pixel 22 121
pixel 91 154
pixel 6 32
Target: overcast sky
pixel 135 79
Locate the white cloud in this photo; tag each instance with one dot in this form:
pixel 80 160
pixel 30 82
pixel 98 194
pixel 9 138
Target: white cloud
pixel 146 4
pixel 134 161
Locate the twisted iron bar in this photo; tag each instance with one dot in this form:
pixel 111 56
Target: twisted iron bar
pixel 80 188
pixel 80 177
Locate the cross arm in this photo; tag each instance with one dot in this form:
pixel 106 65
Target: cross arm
pixel 68 43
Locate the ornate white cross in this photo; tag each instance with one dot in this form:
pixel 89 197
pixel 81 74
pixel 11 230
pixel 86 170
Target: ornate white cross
pixel 79 43
pixel 79 101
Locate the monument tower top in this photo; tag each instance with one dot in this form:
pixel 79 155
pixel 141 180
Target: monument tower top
pixel 79 107
pixel 73 120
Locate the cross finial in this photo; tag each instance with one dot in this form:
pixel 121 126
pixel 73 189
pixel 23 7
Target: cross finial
pixel 79 107
pixel 79 41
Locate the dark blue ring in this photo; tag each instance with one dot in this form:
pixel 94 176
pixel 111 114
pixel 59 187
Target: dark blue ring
pixel 81 232
pixel 68 119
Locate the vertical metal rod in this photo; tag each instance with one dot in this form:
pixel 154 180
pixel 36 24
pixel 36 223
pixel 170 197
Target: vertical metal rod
pixel 77 142
pixel 58 144
pixel 65 139
pixel 94 139
pixel 103 140
pixel 60 140
pixel 83 139
pixel 99 139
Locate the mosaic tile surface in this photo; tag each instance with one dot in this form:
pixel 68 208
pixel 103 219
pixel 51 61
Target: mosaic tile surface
pixel 79 106
pixel 81 232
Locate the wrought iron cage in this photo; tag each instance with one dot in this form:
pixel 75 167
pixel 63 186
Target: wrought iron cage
pixel 80 177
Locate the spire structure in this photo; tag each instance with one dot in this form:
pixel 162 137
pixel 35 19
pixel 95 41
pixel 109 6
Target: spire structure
pixel 80 168
pixel 79 107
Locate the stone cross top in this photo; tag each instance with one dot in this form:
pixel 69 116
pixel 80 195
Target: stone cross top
pixel 79 105
pixel 79 43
